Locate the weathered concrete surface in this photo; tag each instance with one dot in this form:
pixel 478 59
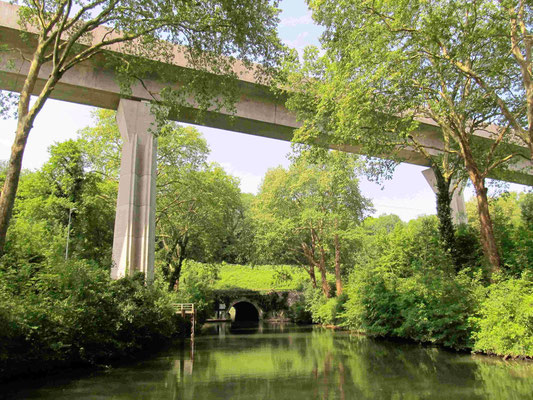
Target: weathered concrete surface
pixel 257 112
pixel 134 235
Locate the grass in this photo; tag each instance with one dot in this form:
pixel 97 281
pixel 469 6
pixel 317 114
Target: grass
pixel 260 277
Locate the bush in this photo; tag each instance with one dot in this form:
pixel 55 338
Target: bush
pixel 324 311
pixel 299 313
pixel 506 319
pixel 75 314
pixel 431 307
pixel 436 309
pixel 371 306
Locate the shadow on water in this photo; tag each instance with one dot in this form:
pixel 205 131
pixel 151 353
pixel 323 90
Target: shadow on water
pixel 244 327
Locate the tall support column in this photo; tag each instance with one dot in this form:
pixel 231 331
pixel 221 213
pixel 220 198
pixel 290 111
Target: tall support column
pixel 458 202
pixel 134 237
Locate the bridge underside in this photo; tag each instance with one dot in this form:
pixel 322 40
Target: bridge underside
pixel 257 112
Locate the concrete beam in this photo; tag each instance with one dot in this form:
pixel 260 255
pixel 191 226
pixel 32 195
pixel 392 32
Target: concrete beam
pixel 257 111
pixel 134 237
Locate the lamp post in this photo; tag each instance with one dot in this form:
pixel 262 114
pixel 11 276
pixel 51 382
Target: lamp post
pixel 68 231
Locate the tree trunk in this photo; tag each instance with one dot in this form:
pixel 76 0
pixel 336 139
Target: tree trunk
pixel 321 263
pixel 338 281
pixel 312 275
pixel 488 241
pixel 174 282
pixel 24 125
pixel 323 276
pixel 9 191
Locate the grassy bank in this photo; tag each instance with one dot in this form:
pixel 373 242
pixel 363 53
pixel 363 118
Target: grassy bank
pixel 260 277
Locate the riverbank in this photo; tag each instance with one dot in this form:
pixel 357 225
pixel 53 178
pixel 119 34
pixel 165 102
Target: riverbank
pixel 429 344
pixel 73 315
pixel 459 311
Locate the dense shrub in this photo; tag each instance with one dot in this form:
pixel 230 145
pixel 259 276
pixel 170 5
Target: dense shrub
pixel 75 314
pixel 324 311
pixel 299 313
pixel 506 319
pixel 427 308
pixel 405 286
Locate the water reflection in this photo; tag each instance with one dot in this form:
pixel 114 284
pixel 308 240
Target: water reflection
pixel 245 328
pixel 289 362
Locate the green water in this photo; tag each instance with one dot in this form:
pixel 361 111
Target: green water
pixel 290 362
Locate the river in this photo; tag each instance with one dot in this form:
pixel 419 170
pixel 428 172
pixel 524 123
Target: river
pixel 275 361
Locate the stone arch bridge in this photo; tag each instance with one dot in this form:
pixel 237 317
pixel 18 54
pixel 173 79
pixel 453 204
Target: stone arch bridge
pixel 251 305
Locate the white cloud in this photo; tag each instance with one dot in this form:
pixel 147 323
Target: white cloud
pixel 249 183
pixel 296 21
pixel 406 207
pixel 299 43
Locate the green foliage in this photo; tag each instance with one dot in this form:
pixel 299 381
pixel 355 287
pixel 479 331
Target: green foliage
pixel 73 313
pixel 102 144
pixel 511 213
pixel 506 318
pixel 299 313
pixel 45 199
pixel 196 286
pixel 260 277
pixel 323 310
pixel 306 215
pixel 431 307
pixel 403 285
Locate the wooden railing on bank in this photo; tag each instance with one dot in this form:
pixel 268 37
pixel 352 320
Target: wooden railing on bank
pixel 185 309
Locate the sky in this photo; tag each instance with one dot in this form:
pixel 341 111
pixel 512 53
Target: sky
pixel 245 156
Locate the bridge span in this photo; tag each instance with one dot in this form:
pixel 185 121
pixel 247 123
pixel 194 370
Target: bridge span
pixel 258 112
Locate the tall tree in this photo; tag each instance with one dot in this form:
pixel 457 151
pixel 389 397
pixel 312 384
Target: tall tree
pixel 306 215
pixel 197 202
pixel 65 33
pixel 390 64
pixel 64 196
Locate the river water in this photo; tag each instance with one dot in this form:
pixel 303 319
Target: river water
pixel 292 362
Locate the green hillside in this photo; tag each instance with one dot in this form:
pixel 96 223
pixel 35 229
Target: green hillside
pixel 260 277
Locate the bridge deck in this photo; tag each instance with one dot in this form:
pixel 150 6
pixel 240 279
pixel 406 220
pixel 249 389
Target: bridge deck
pixel 257 112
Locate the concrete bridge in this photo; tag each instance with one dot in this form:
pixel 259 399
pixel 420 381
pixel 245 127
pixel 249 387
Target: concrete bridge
pixel 257 112
pixel 250 305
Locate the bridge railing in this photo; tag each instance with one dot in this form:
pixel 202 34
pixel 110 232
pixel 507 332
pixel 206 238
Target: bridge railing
pixel 184 308
pixel 187 309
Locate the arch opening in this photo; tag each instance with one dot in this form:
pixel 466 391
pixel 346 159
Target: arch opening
pixel 244 311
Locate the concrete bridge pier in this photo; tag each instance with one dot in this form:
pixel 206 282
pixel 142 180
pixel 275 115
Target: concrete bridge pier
pixel 134 237
pixel 458 201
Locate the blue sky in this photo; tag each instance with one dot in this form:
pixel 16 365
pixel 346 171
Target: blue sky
pixel 245 156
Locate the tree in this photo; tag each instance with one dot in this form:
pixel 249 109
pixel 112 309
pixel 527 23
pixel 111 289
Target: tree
pixel 307 214
pixel 102 144
pixel 196 203
pixel 514 234
pixel 64 189
pixel 238 247
pixel 389 64
pixel 212 33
